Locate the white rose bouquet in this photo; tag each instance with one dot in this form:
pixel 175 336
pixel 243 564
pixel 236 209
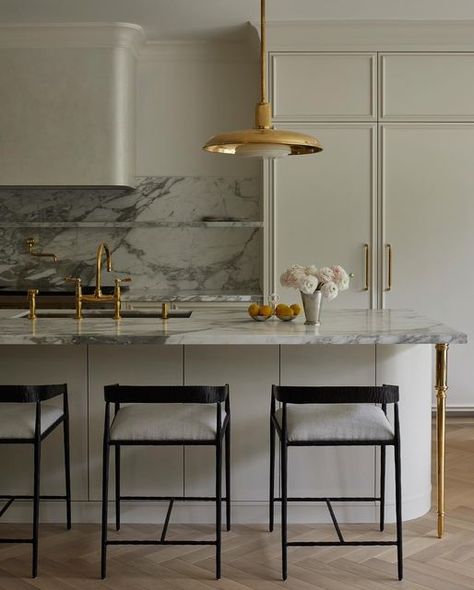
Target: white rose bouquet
pixel 309 279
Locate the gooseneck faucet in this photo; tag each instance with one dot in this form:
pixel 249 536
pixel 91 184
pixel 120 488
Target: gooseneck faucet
pixel 103 247
pixel 98 296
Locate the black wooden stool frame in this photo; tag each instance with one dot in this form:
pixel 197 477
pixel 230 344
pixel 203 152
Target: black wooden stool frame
pixel 37 394
pixel 217 395
pixel 387 394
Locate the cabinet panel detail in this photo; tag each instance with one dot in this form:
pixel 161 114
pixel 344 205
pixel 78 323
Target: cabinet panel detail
pixel 324 86
pixel 324 209
pixel 428 219
pixel 427 86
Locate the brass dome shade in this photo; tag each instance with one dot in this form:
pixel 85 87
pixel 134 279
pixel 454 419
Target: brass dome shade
pixel 263 141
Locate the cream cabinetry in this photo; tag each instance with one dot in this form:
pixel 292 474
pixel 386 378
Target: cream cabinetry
pixel 324 207
pixel 330 86
pixel 402 177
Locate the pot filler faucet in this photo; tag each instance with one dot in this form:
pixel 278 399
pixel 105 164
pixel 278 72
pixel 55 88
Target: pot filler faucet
pixel 98 296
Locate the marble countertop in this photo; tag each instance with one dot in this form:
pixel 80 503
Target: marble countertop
pixel 212 326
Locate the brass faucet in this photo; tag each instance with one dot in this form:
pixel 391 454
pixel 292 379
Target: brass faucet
pixel 31 243
pixel 98 296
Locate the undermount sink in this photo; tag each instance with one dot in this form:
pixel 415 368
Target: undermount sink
pixel 106 313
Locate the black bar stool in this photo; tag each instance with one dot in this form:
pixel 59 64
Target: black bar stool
pixel 337 416
pixel 25 419
pixel 166 415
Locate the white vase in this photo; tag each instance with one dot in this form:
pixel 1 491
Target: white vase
pixel 312 307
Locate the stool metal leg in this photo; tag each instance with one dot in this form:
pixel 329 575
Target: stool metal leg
pixel 284 508
pixel 382 487
pixel 398 501
pixel 218 506
pixel 117 487
pixel 227 477
pixel 36 505
pixel 67 468
pixel 105 495
pixel 272 475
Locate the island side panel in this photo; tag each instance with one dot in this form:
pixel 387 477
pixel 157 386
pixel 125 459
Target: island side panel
pixel 145 470
pixel 28 365
pixel 250 372
pixel 330 471
pixel 411 368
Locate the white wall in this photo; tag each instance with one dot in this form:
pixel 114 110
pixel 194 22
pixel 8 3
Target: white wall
pixel 188 92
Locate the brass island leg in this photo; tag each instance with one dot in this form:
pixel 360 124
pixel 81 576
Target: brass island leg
pixel 441 389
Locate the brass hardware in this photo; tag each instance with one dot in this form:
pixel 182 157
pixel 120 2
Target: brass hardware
pixel 32 301
pixel 31 243
pixel 78 284
pixel 263 139
pixel 441 385
pixel 367 268
pixel 164 311
pixel 98 296
pixel 118 297
pixel 388 249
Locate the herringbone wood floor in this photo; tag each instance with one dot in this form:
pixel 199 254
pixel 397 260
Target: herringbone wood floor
pixel 251 556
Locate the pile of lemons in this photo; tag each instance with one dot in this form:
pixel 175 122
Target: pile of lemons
pixel 260 312
pixel 287 312
pixel 282 311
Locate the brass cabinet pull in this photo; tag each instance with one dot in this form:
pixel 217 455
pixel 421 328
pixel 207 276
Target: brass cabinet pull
pixel 367 268
pixel 388 249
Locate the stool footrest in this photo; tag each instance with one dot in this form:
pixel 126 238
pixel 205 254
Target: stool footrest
pixel 158 542
pixel 170 498
pixel 16 541
pixel 333 499
pixel 338 543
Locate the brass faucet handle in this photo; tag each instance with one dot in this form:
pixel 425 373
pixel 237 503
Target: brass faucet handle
pixel 125 280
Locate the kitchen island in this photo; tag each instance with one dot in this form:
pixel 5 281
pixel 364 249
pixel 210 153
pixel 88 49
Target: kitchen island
pixel 351 347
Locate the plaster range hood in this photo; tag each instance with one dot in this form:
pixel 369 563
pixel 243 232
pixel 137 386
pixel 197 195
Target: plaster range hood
pixel 67 97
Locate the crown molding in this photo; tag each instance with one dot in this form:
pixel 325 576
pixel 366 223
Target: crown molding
pixel 375 35
pixel 78 35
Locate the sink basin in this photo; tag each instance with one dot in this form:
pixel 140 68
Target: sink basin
pixel 106 313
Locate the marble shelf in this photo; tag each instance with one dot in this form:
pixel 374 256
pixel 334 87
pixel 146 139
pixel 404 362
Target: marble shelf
pixel 134 224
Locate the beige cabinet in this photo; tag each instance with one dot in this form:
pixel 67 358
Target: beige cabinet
pixel 324 206
pixel 426 181
pixel 324 86
pixel 400 182
pixel 427 86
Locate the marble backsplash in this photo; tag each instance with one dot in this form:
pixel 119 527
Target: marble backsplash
pixel 155 232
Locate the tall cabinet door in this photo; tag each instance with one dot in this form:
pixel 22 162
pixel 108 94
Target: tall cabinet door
pixel 427 179
pixel 324 205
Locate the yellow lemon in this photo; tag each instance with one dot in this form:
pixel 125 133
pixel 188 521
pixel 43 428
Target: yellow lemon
pixel 284 310
pixel 265 310
pixel 280 306
pixel 296 308
pixel 253 309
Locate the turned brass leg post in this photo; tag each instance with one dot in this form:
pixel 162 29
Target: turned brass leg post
pixel 441 389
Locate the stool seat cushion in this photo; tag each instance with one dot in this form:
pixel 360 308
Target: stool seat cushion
pixel 165 422
pixel 339 422
pixel 18 420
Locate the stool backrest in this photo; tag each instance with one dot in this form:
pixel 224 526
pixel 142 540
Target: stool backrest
pixel 166 394
pixel 30 393
pixel 385 394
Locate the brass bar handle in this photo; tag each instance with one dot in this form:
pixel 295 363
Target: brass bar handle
pixel 388 249
pixel 367 267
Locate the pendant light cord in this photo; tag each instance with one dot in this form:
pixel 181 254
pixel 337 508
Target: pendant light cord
pixel 263 51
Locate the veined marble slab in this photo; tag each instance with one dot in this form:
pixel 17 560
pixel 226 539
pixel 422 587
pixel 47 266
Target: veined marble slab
pixel 234 327
pixel 155 232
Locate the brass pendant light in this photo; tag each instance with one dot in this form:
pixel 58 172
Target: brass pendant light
pixel 263 141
